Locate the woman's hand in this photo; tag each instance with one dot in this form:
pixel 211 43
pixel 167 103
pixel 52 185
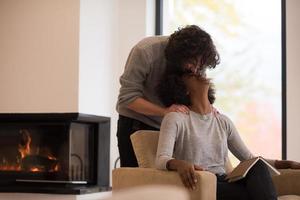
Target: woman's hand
pixel 177 108
pixel 186 172
pixel 294 165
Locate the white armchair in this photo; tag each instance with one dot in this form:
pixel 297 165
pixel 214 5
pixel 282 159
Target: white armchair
pixel 145 145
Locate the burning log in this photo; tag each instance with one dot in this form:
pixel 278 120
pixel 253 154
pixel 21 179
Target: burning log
pixel 38 163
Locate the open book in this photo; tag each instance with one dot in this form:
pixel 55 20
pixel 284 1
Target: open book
pixel 243 168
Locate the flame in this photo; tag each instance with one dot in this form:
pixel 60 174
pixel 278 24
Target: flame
pixel 25 149
pixel 56 168
pixel 51 157
pixel 10 167
pixel 34 169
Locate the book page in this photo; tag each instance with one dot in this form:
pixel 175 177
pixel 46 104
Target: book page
pixel 272 170
pixel 243 168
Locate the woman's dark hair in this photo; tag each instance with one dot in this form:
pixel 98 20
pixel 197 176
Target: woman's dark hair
pixel 172 90
pixel 185 45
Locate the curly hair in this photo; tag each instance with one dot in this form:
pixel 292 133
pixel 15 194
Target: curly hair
pixel 172 90
pixel 185 45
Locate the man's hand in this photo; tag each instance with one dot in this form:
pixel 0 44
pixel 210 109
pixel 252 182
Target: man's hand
pixel 215 111
pixel 145 107
pixel 186 172
pixel 177 108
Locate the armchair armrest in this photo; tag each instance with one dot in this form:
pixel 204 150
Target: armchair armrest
pixel 131 177
pixel 287 183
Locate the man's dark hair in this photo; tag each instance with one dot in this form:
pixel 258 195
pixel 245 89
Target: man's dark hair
pixel 185 45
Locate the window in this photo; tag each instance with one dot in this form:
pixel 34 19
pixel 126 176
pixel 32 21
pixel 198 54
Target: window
pixel 248 80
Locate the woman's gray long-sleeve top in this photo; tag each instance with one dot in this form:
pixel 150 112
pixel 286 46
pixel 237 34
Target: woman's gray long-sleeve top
pixel 199 139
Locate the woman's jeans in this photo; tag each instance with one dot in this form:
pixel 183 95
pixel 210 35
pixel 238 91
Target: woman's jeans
pixel 126 127
pixel 257 185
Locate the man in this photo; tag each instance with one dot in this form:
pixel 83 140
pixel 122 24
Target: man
pixel 138 104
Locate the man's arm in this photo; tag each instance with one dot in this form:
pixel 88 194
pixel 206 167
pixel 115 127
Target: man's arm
pixel 132 85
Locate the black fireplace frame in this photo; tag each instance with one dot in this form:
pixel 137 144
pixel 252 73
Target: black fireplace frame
pixel 101 155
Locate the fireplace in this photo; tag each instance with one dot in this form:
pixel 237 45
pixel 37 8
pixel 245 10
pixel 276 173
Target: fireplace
pixel 65 153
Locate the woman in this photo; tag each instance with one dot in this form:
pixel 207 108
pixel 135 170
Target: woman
pixel 200 140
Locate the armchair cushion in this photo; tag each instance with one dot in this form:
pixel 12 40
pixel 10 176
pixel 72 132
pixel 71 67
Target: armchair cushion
pixel 157 192
pixel 145 146
pixel 288 182
pixel 289 197
pixel 133 177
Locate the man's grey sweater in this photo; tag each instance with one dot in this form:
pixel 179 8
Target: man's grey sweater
pixel 143 70
pixel 199 139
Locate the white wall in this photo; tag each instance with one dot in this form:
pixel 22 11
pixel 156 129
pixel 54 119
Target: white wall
pixel 39 55
pixel 293 81
pixel 97 55
pixel 135 21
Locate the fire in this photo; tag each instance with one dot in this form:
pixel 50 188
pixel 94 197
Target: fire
pixel 26 152
pixel 24 147
pixel 56 168
pixel 35 169
pixel 51 158
pixel 10 167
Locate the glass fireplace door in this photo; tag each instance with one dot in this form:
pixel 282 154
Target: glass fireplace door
pixel 46 152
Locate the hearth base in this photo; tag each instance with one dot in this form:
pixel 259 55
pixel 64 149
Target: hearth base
pixel 53 188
